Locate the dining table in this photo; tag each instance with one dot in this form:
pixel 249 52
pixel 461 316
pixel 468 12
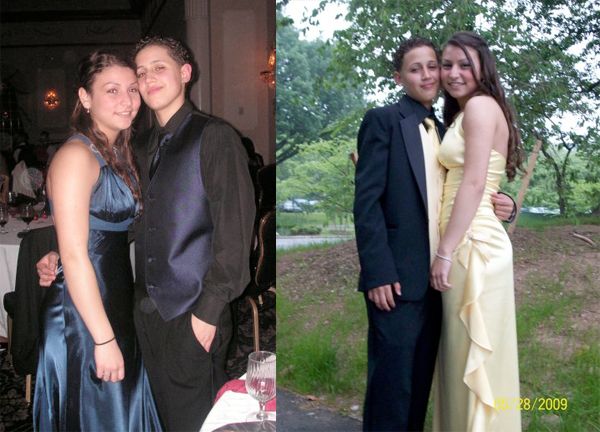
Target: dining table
pixel 9 253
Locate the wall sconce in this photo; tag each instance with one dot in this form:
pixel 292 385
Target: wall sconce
pixel 268 75
pixel 51 100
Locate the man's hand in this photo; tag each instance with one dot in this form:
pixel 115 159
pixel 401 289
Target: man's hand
pixel 503 206
pixel 383 297
pixel 204 332
pixel 46 268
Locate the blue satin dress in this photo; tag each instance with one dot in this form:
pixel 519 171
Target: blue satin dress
pixel 68 396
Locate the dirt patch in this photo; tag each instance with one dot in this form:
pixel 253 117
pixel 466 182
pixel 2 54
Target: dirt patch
pixel 324 273
pixel 546 253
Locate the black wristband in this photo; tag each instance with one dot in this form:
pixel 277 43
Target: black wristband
pixel 513 214
pixel 104 343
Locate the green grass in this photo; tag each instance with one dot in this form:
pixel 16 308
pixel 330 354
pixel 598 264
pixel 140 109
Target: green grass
pixel 302 248
pixel 322 342
pixel 550 305
pixel 539 222
pixel 555 360
pixel 320 353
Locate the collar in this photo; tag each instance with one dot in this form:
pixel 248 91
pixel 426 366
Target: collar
pixel 420 110
pixel 177 118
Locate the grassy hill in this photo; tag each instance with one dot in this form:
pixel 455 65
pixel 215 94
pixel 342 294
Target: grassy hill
pixel 321 329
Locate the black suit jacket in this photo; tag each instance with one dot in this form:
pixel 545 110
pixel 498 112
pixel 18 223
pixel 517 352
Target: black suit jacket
pixel 390 206
pixel 29 298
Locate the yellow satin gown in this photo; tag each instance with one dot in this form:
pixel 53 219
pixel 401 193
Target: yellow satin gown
pixel 477 379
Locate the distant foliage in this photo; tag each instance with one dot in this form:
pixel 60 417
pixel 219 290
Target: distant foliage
pixel 311 103
pixel 321 171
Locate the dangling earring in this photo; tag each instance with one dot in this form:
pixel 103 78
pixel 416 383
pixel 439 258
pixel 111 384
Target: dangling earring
pixel 87 110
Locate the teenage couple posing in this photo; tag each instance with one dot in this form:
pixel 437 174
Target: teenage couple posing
pixel 185 185
pixel 436 262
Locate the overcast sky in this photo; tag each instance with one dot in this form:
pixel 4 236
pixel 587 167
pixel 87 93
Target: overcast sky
pixel 296 9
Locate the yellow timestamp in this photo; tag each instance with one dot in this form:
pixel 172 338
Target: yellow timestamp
pixel 531 404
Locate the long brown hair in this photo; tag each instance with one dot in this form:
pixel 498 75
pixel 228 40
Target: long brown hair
pixel 488 84
pixel 81 122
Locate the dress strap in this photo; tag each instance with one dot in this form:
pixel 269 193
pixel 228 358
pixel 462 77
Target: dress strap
pixel 90 145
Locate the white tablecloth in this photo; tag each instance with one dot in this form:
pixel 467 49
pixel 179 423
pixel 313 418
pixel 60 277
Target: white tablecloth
pixel 9 252
pixel 232 407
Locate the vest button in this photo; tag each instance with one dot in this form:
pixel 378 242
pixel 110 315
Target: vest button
pixel 151 259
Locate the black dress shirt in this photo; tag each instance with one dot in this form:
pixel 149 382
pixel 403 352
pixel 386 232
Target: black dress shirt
pixel 226 178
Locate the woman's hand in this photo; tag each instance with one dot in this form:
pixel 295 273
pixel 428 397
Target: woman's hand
pixel 109 362
pixel 440 271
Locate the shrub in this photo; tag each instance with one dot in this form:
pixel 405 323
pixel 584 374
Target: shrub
pixel 305 230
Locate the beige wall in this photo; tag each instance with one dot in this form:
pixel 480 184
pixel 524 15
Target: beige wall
pixel 231 40
pixel 242 33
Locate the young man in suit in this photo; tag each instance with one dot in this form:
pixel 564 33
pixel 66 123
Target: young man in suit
pixel 192 240
pixel 398 192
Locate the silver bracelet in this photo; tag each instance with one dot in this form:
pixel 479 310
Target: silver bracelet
pixel 443 258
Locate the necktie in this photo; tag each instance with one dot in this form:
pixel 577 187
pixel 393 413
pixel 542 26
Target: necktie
pixel 433 133
pixel 163 138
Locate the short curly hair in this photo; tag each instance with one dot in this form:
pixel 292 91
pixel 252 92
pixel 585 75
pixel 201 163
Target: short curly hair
pixel 176 49
pixel 406 46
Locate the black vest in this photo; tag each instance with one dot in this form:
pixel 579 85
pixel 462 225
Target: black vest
pixel 173 235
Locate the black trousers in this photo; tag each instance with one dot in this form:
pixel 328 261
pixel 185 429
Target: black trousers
pixel 402 349
pixel 184 377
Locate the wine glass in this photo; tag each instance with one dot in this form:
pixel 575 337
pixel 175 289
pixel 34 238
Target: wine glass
pixel 260 382
pixel 26 214
pixel 3 217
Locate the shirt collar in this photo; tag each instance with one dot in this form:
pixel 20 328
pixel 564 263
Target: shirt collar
pixel 177 118
pixel 420 111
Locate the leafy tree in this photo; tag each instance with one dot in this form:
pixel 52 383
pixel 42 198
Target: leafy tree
pixel 322 171
pixel 583 193
pixel 309 106
pixel 546 53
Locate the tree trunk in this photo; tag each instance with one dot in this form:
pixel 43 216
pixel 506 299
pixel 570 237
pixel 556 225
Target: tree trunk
pixel 525 184
pixel 560 172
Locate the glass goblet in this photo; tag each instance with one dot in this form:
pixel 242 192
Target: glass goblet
pixel 260 382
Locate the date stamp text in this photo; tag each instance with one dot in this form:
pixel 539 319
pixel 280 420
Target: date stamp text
pixel 531 404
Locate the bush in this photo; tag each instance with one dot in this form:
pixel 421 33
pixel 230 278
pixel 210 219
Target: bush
pixel 305 230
